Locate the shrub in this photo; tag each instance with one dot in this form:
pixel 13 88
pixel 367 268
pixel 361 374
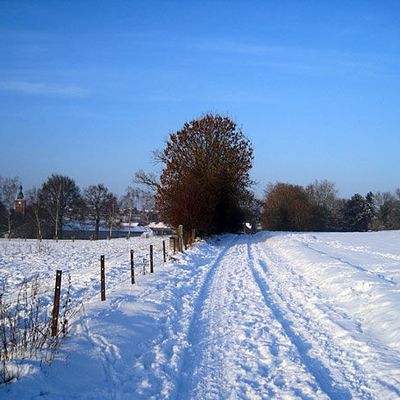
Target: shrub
pixel 287 208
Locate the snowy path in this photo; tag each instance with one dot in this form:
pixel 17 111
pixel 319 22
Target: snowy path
pixel 238 349
pixel 268 316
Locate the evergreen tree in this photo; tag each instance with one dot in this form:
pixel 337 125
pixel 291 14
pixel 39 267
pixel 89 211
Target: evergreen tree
pixel 370 198
pixel 358 213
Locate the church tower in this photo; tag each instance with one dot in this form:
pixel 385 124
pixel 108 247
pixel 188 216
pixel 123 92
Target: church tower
pixel 20 203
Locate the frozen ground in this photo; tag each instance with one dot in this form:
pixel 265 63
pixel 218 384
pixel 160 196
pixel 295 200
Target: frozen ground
pixel 273 316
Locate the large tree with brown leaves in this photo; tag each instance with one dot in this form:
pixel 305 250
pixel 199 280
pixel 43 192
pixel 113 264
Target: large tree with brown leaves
pixel 205 180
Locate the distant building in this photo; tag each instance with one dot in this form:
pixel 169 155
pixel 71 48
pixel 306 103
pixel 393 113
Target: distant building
pixel 20 203
pixel 159 228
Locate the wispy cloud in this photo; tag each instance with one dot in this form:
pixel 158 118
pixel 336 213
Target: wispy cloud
pixel 43 89
pixel 228 46
pixel 301 59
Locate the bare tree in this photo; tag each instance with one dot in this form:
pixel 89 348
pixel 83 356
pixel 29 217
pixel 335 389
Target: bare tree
pixel 97 199
pixel 146 179
pixel 34 203
pixel 111 213
pixel 147 203
pixel 322 193
pixel 61 197
pixel 8 193
pixel 388 210
pixel 129 203
pixel 323 198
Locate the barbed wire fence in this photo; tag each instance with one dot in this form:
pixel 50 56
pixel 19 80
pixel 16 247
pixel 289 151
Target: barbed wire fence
pixel 32 327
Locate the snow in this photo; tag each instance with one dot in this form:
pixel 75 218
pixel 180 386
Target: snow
pixel 271 315
pixel 79 258
pixel 158 225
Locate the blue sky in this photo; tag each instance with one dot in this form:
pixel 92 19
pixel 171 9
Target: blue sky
pixel 90 89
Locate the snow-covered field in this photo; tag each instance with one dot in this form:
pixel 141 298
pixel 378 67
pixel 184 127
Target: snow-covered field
pixel 271 315
pixel 80 259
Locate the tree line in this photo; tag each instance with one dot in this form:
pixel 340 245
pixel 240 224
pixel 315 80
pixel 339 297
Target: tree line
pixel 204 184
pixel 316 207
pixel 60 201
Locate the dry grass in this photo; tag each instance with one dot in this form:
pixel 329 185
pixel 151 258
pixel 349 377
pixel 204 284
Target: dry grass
pixel 25 327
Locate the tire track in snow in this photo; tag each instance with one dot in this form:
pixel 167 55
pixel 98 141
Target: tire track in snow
pixel 182 386
pixel 237 349
pixel 312 364
pixel 354 356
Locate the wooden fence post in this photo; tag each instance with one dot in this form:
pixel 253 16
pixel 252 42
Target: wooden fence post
pixel 102 279
pixel 164 251
pixel 193 235
pixel 151 259
pixel 132 269
pixel 56 305
pixel 180 238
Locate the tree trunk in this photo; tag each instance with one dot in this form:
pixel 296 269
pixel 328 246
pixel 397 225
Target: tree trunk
pixel 9 224
pixel 60 225
pixel 38 224
pixel 57 218
pixel 97 226
pixel 130 222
